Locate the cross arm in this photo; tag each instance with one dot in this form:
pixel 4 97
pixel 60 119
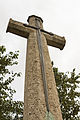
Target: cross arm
pixel 55 40
pixel 18 28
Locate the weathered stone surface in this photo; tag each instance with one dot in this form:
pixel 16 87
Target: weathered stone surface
pixel 18 28
pixel 55 41
pixel 34 101
pixel 23 30
pixel 34 98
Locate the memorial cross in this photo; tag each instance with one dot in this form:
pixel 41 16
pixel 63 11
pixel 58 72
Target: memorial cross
pixel 40 94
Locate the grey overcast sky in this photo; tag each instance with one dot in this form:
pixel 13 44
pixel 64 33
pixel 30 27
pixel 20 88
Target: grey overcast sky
pixel 62 17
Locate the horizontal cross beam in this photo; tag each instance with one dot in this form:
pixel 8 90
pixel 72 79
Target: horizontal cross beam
pixel 18 28
pixel 23 30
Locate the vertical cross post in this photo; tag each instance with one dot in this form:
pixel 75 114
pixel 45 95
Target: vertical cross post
pixel 34 102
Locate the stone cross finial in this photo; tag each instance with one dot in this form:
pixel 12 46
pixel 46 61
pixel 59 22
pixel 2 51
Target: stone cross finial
pixel 19 28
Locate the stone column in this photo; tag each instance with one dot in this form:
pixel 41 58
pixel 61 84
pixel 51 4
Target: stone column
pixel 34 98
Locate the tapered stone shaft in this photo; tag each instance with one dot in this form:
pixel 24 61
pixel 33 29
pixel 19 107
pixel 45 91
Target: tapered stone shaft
pixel 34 97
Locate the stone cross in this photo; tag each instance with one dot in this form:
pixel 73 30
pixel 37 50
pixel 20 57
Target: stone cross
pixel 40 93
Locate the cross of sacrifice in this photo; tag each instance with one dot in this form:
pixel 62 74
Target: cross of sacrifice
pixel 40 93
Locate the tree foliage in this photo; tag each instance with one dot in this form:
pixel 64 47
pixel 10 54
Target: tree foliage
pixel 9 109
pixel 68 86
